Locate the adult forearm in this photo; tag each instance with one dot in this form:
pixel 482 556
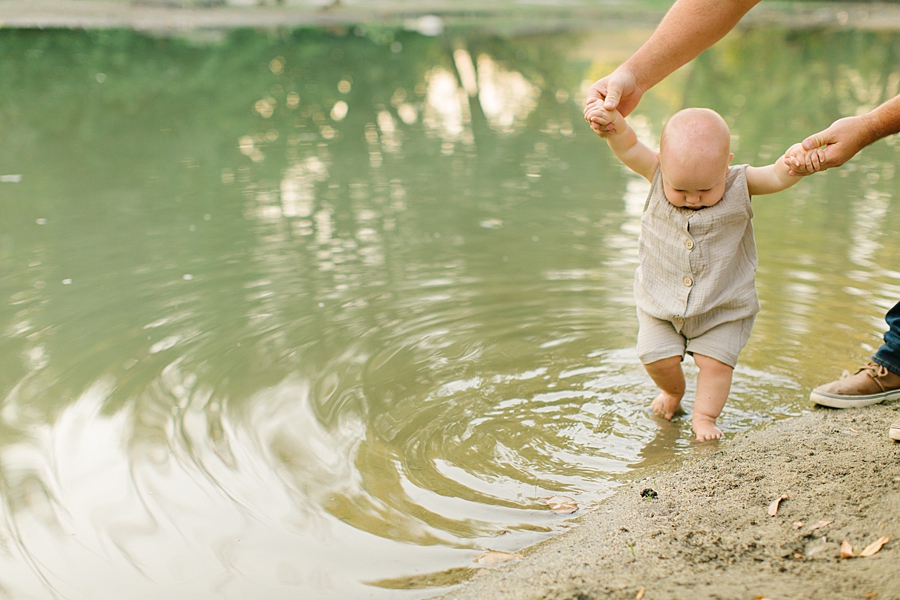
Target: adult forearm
pixel 884 120
pixel 689 28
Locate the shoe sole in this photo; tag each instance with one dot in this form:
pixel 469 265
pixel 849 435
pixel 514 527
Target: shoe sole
pixel 894 432
pixel 841 401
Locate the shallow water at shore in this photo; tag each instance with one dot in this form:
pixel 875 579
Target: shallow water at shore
pixel 318 312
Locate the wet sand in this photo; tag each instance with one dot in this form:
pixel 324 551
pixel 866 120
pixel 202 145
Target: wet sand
pixel 708 534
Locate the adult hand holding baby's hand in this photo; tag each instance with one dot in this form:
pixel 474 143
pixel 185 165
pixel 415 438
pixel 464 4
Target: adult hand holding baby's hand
pixel 834 146
pixel 596 117
pixel 617 91
pixel 604 122
pixel 801 162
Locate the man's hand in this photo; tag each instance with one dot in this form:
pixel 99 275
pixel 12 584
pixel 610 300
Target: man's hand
pixel 832 147
pixel 619 90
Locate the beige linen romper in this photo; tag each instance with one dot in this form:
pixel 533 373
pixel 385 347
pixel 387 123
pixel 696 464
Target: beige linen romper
pixel 695 287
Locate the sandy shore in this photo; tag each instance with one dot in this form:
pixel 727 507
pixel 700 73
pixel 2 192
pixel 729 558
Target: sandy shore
pixel 708 534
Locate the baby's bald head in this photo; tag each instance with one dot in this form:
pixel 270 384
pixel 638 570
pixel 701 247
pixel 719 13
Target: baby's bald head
pixel 694 152
pixel 695 134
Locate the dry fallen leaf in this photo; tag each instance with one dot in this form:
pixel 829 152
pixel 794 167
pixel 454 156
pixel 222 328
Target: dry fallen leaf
pixel 875 546
pixel 846 549
pixel 797 525
pixel 492 558
pixel 870 595
pixel 773 508
pixel 820 525
pixel 797 555
pixel 640 594
pixel 561 505
pixel 761 597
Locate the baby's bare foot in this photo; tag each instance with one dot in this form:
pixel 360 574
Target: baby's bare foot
pixel 705 428
pixel 666 405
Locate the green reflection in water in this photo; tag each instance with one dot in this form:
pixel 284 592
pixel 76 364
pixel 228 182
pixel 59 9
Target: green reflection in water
pixel 297 311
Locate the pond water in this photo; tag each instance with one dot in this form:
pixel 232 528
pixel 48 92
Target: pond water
pixel 325 314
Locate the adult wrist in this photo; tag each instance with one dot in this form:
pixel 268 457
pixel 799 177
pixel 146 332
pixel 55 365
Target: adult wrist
pixel 875 126
pixel 627 70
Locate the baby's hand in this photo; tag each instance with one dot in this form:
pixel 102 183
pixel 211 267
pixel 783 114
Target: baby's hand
pixel 803 162
pixel 611 122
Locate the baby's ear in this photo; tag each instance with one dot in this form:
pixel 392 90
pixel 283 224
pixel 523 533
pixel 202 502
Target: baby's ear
pixel 730 157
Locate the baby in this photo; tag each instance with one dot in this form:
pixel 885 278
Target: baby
pixel 695 286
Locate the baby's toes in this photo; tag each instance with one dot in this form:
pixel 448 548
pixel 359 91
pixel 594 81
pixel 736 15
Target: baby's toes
pixel 659 407
pixel 707 435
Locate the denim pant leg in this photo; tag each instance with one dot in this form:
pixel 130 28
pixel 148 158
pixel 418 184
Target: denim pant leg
pixel 888 355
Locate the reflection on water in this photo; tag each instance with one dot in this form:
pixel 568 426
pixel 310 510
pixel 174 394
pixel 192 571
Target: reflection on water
pixel 328 313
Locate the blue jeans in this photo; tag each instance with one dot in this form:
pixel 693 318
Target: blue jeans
pixel 888 356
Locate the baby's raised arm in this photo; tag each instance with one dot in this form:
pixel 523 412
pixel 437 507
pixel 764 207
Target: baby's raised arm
pixel 775 177
pixel 623 140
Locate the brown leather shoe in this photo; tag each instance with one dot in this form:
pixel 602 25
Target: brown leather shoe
pixel 894 431
pixel 871 384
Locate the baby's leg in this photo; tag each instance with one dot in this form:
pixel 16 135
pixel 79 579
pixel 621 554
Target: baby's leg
pixel 661 349
pixel 713 385
pixel 669 377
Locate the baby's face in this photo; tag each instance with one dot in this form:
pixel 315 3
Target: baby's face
pixel 695 186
